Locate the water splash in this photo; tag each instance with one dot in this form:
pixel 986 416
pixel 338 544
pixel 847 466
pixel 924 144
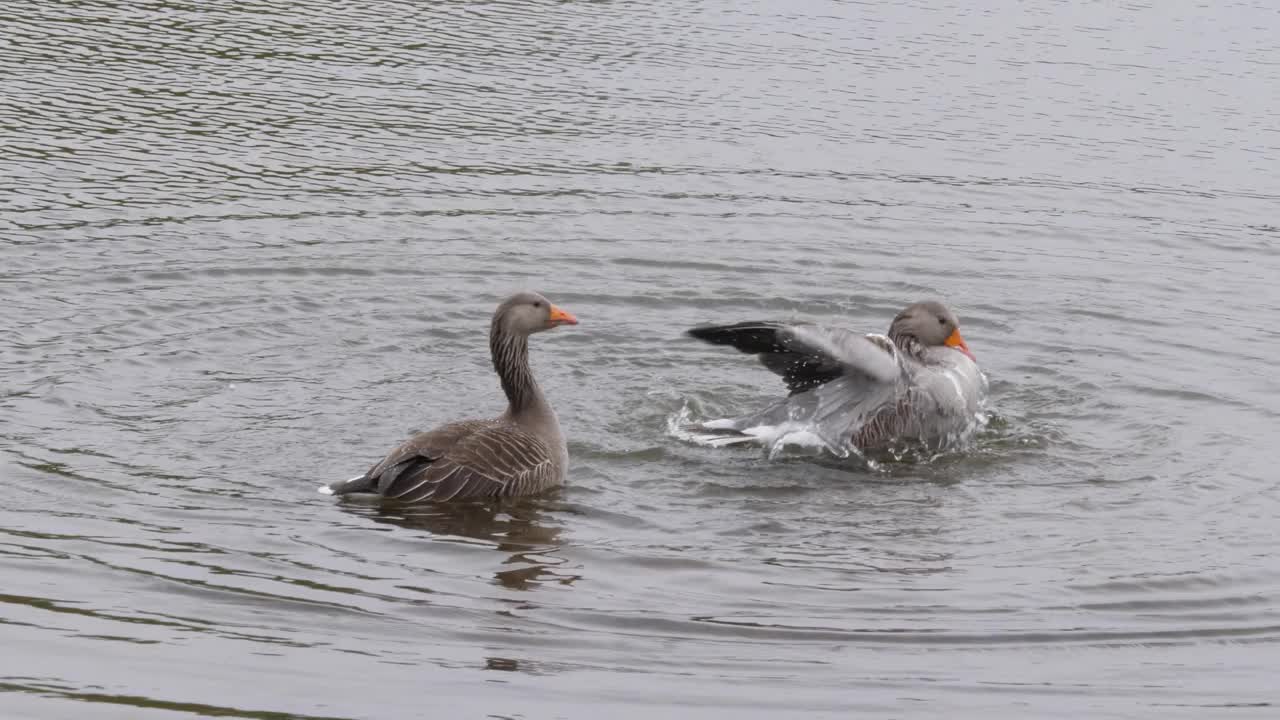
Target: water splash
pixel 803 435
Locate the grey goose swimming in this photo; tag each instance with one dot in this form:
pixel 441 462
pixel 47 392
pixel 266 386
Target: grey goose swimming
pixel 520 452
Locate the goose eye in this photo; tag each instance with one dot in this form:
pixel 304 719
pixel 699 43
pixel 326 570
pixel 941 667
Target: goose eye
pixel 942 321
pixel 537 304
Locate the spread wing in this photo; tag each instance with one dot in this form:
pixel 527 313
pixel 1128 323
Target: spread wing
pixel 463 460
pixel 840 382
pixel 807 356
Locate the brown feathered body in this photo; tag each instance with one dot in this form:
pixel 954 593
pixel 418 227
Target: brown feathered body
pixel 520 452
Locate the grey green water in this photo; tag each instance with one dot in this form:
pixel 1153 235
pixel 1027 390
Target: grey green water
pixel 245 247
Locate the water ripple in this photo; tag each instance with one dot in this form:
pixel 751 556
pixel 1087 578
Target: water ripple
pixel 246 246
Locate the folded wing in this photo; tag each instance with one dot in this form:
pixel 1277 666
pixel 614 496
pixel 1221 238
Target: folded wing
pixel 463 460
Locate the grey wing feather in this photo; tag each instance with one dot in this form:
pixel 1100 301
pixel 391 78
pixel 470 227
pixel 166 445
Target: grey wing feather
pixel 425 446
pixel 853 352
pixel 493 460
pixel 409 460
pixel 871 378
pixel 807 356
pixel 840 381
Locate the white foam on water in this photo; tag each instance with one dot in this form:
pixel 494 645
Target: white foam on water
pixel 789 434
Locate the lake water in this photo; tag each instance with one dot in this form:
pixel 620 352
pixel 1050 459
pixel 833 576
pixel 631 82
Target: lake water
pixel 246 247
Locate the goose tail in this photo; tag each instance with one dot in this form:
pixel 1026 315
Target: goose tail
pixel 360 483
pixel 712 434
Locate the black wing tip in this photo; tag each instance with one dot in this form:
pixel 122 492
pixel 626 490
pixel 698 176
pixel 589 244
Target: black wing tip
pixel 749 337
pixel 703 331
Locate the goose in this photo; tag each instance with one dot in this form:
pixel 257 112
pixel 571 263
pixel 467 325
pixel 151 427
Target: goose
pixel 520 452
pixel 920 382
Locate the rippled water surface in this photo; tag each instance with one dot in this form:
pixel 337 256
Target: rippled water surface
pixel 245 247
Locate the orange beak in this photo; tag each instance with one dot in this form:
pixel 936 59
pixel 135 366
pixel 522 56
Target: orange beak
pixel 954 340
pixel 560 317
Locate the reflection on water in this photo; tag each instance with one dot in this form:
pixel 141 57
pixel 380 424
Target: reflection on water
pixel 517 527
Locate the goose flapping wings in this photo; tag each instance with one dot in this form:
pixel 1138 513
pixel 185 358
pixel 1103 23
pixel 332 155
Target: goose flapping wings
pixel 855 391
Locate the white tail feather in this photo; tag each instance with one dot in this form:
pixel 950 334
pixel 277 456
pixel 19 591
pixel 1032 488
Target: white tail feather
pixel 329 489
